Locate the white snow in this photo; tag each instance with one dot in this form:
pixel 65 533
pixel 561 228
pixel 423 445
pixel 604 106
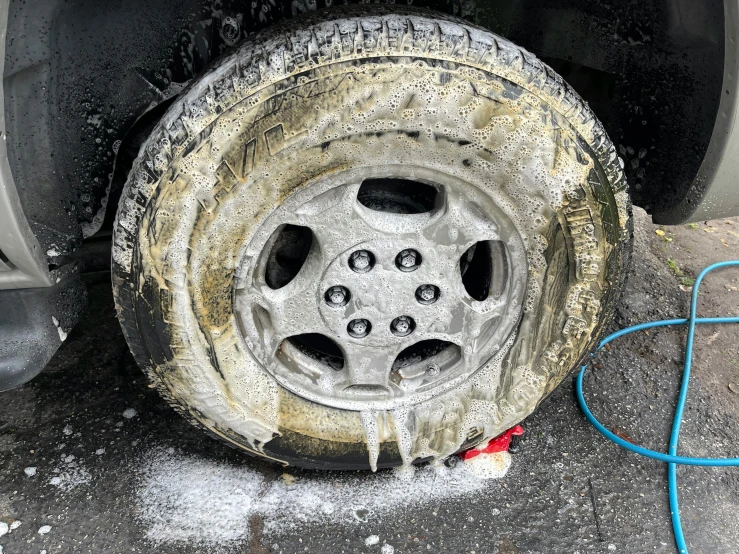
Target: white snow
pixel 67 430
pixel 387 549
pixel 15 525
pixel 51 252
pixel 129 413
pixel 3 528
pixel 100 451
pixel 371 540
pixel 30 471
pixel 184 498
pixel 44 529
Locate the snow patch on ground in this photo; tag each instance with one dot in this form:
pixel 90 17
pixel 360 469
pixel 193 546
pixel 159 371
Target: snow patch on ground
pixel 190 499
pixel 30 471
pixel 129 413
pixel 44 529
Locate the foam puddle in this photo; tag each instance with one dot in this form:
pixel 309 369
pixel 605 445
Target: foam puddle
pixel 189 499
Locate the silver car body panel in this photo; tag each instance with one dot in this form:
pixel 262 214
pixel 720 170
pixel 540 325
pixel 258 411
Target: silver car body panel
pixel 714 193
pixel 22 263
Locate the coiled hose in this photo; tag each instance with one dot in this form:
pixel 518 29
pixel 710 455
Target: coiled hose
pixel 671 457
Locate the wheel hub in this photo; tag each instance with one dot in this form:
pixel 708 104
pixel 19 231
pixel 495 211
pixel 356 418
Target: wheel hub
pixel 385 295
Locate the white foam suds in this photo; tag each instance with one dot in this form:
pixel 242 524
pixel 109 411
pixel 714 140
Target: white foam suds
pixel 369 422
pixel 489 466
pixel 62 332
pixel 69 473
pixel 189 499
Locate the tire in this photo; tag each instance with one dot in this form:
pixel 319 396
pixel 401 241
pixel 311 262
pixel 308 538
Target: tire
pixel 357 95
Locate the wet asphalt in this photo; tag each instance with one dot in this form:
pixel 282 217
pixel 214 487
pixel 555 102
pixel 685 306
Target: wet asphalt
pixel 568 490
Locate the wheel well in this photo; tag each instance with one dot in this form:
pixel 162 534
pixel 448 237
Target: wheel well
pixel 651 71
pixel 81 80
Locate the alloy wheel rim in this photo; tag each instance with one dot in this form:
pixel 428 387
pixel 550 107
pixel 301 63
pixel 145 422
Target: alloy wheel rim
pixel 380 287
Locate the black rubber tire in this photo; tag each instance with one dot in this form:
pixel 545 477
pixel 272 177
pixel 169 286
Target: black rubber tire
pixel 173 273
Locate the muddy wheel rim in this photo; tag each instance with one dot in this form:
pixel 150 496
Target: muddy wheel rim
pixel 379 287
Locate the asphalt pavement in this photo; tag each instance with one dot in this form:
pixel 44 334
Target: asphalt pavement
pixel 93 461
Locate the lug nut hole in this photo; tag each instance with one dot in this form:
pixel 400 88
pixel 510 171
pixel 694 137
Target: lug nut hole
pixel 432 370
pixel 337 296
pixel 427 294
pixel 402 326
pixel 408 260
pixel 359 328
pixel 361 261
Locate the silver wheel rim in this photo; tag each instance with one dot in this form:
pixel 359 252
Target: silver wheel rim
pixel 386 289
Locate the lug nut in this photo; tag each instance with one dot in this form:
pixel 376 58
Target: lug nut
pixel 408 260
pixel 402 326
pixel 427 294
pixel 230 30
pixel 361 261
pixel 359 328
pixel 337 296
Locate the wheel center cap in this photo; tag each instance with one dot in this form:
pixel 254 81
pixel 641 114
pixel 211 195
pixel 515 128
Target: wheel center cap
pixel 383 292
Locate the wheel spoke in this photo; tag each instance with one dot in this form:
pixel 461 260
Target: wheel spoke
pixel 368 367
pixel 480 328
pixel 461 225
pixel 332 219
pixel 285 312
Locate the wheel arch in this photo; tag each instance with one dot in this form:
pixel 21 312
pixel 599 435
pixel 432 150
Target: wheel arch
pixel 79 76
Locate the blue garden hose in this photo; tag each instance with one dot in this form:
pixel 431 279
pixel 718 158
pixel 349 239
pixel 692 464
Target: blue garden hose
pixel 671 458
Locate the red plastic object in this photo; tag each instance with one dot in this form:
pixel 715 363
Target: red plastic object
pixel 498 444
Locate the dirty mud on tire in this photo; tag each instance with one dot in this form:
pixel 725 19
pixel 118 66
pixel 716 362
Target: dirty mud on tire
pixel 295 119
